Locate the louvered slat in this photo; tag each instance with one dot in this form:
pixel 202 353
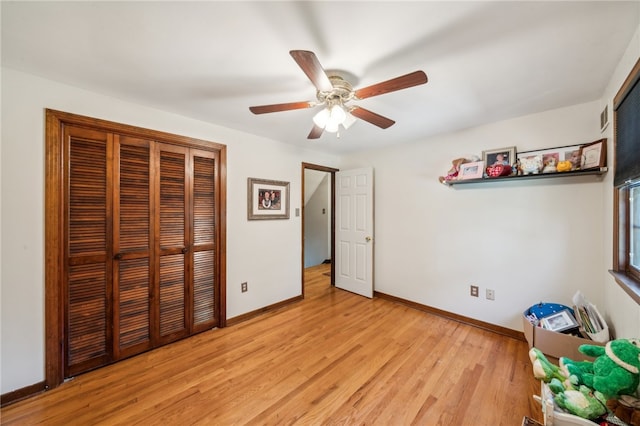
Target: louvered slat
pixel 134 198
pixel 172 300
pixel 203 200
pixel 87 197
pixel 203 287
pixel 172 199
pixel 87 310
pixel 134 302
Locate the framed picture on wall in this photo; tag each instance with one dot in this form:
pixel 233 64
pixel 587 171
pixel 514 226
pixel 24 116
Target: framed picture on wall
pixel 267 199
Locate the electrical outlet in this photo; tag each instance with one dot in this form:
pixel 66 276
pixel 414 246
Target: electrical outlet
pixel 244 287
pixel 491 295
pixel 474 290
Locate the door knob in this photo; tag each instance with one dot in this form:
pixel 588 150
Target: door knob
pixel 368 239
pixel 185 250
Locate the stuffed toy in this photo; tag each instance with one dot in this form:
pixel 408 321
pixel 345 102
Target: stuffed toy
pixel 578 400
pixel 550 166
pixel 564 166
pixel 452 174
pixel 582 402
pixel 626 408
pixel 614 372
pixel 530 165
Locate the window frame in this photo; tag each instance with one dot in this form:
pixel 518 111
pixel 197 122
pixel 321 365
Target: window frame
pixel 625 274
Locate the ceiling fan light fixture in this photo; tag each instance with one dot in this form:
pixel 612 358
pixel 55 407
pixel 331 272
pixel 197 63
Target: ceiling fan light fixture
pixel 348 120
pixel 321 118
pixel 330 118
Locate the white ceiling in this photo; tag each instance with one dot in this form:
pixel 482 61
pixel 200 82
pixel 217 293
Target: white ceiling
pixel 486 61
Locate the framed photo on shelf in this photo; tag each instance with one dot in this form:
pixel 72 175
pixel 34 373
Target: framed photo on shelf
pixel 473 170
pixel 555 155
pixel 504 156
pixel 593 155
pixel 560 321
pixel 267 199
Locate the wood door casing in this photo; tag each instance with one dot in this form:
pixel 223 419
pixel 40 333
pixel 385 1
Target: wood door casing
pixel 106 228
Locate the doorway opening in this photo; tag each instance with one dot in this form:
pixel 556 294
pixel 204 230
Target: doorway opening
pixel 318 226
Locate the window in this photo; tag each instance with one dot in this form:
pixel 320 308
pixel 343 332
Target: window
pixel 626 262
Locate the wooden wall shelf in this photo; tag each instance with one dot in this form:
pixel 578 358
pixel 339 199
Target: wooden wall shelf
pixel 596 171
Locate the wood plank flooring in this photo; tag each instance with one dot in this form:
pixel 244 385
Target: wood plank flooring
pixel 334 358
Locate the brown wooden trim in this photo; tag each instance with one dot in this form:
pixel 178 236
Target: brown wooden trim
pixel 518 335
pixel 333 171
pixel 22 393
pixel 222 232
pixel 628 284
pixel 134 131
pixel 249 315
pixel 624 273
pixel 633 76
pixel 54 218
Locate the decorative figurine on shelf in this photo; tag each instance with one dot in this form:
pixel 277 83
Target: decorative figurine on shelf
pixel 452 174
pixel 564 166
pixel 497 170
pixel 550 166
pixel 530 165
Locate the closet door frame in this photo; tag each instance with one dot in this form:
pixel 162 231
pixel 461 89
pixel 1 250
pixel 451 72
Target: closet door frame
pixel 55 207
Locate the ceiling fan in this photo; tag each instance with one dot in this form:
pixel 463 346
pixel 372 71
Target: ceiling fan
pixel 335 92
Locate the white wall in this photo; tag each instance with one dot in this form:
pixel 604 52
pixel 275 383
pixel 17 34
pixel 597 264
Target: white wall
pixel 622 311
pixel 529 241
pixel 270 266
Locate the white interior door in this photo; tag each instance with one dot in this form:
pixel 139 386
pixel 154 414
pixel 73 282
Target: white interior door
pixel 354 231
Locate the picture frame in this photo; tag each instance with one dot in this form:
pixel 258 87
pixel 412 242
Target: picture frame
pixel 506 156
pixel 267 199
pixel 561 153
pixel 593 155
pixel 559 321
pixel 473 170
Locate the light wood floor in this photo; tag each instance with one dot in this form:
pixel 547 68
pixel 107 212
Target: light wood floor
pixel 335 358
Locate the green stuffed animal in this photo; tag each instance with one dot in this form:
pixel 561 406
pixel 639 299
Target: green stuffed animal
pixel 582 402
pixel 614 372
pixel 578 400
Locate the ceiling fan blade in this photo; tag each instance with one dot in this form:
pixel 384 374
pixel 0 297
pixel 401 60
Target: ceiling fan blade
pixel 263 109
pixel 315 133
pixel 403 82
pixel 372 117
pixel 311 66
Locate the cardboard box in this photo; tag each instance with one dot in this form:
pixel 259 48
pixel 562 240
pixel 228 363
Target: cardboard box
pixel 555 344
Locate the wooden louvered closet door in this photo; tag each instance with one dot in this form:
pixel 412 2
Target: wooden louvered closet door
pixel 141 256
pixel 205 295
pixel 87 258
pixel 133 244
pixel 173 243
